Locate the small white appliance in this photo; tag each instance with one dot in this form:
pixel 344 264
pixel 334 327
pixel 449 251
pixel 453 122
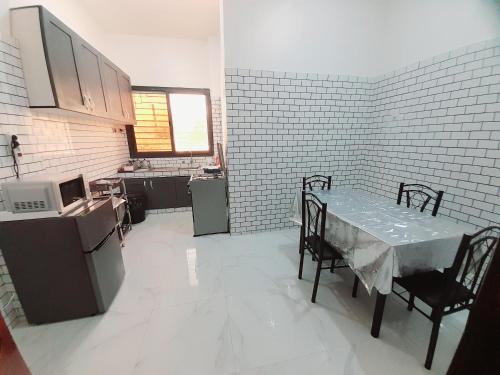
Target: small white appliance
pixel 61 193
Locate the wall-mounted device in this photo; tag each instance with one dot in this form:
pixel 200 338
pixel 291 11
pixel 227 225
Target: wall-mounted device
pixel 222 161
pixel 15 148
pixel 45 193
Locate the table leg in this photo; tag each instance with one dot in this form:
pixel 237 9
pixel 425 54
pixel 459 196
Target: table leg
pixel 378 313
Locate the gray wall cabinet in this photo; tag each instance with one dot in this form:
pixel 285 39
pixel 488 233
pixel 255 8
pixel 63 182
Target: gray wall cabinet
pixel 65 72
pixel 161 192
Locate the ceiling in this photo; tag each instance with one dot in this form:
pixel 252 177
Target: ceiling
pixel 196 19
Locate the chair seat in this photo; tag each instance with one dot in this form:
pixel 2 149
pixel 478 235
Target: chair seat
pixel 429 286
pixel 329 252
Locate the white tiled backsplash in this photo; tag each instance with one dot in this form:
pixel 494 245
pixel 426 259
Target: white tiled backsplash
pixel 436 122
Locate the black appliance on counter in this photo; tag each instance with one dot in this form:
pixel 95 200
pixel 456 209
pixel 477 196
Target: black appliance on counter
pixel 64 267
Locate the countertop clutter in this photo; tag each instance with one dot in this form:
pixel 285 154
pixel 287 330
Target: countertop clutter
pixel 162 171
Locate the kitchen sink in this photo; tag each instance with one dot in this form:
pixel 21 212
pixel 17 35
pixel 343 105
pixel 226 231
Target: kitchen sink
pixel 189 167
pixel 168 169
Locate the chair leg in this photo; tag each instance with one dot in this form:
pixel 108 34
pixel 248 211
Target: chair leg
pixel 301 240
pixel 355 286
pixel 433 342
pixel 301 264
pixel 411 302
pixel 316 281
pixel 332 266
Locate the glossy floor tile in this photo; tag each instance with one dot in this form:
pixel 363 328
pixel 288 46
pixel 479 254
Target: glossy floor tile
pixel 232 305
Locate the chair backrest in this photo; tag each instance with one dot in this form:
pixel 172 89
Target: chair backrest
pixel 317 181
pixel 471 262
pixel 313 218
pixel 419 196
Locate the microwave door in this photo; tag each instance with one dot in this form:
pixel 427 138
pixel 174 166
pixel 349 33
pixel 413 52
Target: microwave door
pixel 72 193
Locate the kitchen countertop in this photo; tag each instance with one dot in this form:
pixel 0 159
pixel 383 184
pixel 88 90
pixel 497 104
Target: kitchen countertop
pixel 161 172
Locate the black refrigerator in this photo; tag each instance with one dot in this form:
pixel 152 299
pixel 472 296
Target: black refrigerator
pixel 64 267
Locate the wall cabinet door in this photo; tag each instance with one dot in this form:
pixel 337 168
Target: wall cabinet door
pixel 183 198
pixel 63 71
pixel 126 97
pixel 161 193
pixel 60 52
pixel 110 75
pixel 91 80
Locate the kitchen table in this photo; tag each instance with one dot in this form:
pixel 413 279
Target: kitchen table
pixel 380 240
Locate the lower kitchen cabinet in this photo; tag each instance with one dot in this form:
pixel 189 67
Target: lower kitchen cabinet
pixel 136 186
pixel 161 192
pixel 183 198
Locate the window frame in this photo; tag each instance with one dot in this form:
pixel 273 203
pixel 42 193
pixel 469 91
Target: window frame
pixel 132 144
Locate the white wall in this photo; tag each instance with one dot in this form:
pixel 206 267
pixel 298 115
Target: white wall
pixel 161 61
pixel 72 13
pixel 418 29
pixel 158 61
pixel 4 18
pixel 321 36
pixel 359 37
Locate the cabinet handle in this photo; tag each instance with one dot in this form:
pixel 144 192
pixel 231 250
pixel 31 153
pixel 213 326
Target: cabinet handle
pixel 92 105
pixel 151 184
pixel 85 102
pixel 144 182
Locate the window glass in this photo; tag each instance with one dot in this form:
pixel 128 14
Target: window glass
pixel 189 122
pixel 152 131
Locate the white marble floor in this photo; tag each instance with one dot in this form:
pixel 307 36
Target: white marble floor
pixel 232 305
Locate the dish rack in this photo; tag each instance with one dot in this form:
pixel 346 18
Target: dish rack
pixel 114 188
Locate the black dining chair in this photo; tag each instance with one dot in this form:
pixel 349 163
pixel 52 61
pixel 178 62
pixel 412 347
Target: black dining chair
pixel 312 237
pixel 456 288
pixel 317 181
pixel 418 196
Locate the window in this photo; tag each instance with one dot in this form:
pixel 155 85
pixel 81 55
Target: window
pixel 171 122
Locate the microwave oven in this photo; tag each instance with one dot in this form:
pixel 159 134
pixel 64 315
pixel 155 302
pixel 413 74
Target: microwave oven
pixel 42 193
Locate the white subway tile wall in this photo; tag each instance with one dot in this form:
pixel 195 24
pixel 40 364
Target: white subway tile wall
pixel 436 122
pixel 50 143
pixel 283 126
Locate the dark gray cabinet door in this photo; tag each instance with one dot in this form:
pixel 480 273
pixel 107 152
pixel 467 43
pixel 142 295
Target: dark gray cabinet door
pixel 161 193
pixel 110 75
pixel 60 50
pixel 183 198
pixel 91 81
pixel 126 97
pixel 136 186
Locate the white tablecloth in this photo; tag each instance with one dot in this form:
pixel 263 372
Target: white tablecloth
pixel 381 240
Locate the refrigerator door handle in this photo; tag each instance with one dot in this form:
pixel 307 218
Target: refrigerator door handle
pixel 101 244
